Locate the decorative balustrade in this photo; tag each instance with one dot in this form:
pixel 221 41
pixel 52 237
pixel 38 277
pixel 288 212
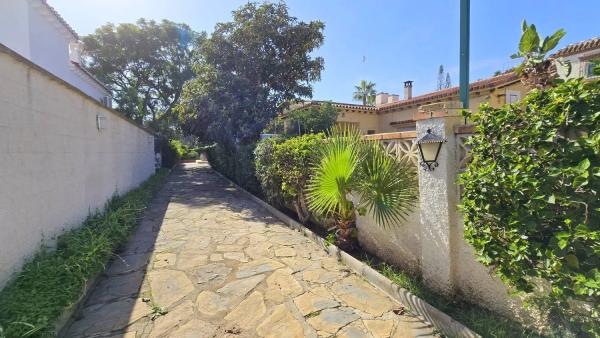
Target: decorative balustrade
pixel 399 145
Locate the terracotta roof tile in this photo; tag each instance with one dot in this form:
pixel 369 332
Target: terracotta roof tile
pixel 578 47
pixel 499 80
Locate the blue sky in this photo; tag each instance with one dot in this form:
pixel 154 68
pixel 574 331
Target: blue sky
pixel 386 42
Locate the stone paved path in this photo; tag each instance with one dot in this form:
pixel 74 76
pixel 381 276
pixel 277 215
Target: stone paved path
pixel 222 266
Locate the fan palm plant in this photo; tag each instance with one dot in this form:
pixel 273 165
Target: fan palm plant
pixel 365 92
pixel 350 166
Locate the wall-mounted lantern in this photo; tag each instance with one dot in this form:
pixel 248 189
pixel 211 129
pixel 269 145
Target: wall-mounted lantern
pixel 429 149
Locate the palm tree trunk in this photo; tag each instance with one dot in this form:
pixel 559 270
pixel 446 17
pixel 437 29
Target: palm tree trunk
pixel 346 235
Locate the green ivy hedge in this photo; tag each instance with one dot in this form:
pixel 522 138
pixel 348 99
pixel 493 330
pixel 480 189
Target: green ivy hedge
pixel 531 196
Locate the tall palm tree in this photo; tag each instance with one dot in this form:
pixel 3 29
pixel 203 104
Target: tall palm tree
pixel 352 166
pixel 365 92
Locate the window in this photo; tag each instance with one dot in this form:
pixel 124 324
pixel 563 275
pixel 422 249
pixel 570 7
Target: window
pixel 513 96
pixel 589 69
pixel 370 132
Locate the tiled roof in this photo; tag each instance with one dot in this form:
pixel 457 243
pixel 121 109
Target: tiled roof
pixel 505 78
pixel 578 47
pixel 60 18
pixel 499 80
pixel 338 105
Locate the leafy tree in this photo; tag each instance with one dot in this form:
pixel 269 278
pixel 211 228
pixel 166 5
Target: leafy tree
pixel 312 119
pixel 349 164
pixel 530 200
pixel 249 69
pixel 365 92
pixel 536 69
pixel 145 65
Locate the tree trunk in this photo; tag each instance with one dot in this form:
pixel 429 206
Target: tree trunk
pixel 345 235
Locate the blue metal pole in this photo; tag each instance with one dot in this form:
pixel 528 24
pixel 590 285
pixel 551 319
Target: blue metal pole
pixel 465 18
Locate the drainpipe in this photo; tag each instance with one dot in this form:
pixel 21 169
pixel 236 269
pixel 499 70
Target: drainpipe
pixel 465 8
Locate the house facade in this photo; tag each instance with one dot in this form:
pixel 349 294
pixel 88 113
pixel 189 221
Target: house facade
pixel 394 114
pixel 36 31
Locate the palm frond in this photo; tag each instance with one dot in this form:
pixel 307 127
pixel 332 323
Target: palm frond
pixel 334 173
pixel 387 188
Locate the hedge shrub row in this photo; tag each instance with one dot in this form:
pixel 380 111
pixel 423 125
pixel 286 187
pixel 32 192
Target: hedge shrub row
pixel 237 163
pixel 531 197
pixel 284 166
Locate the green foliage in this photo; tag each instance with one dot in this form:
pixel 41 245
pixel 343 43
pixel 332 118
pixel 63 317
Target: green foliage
pixel 284 166
pixel 530 198
pixel 170 153
pixel 53 280
pixel 365 92
pixel 145 66
pixel 237 163
pixel 311 120
pixel 266 173
pixel 250 68
pixel 385 187
pixel 536 67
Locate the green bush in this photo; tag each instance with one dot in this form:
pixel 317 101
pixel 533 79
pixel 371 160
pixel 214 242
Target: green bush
pixel 237 163
pixel 190 155
pixel 170 154
pixel 53 280
pixel 283 168
pixel 530 200
pixel 266 174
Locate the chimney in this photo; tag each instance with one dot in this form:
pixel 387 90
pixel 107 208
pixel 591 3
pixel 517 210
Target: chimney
pixel 408 90
pixel 393 98
pixel 381 98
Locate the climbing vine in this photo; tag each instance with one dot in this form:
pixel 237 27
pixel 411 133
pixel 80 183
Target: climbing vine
pixel 530 201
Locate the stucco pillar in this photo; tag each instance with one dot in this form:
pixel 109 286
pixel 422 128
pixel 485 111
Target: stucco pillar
pixel 438 200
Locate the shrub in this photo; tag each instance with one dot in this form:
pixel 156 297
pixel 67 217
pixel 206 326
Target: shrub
pixel 170 154
pixel 53 280
pixel 264 162
pixel 285 166
pixel 237 163
pixel 530 198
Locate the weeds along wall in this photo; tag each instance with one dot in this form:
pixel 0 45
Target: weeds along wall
pixel 62 156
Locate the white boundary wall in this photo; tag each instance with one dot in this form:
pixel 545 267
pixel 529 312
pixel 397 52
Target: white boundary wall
pixel 56 165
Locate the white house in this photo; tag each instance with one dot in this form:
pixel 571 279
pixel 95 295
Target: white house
pixel 580 55
pixel 35 30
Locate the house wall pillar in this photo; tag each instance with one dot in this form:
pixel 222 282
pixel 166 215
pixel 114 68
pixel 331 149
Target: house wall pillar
pixel 437 204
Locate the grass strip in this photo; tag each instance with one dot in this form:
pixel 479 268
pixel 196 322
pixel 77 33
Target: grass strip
pixel 478 319
pixel 54 279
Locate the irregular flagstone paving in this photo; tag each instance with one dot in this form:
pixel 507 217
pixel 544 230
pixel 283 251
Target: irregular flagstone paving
pixel 206 261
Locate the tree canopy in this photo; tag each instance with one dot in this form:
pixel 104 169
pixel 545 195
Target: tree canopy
pixel 248 70
pixel 145 65
pixel 311 120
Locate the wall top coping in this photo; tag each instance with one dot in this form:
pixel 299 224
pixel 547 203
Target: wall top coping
pixel 392 136
pixel 19 58
pixel 468 129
